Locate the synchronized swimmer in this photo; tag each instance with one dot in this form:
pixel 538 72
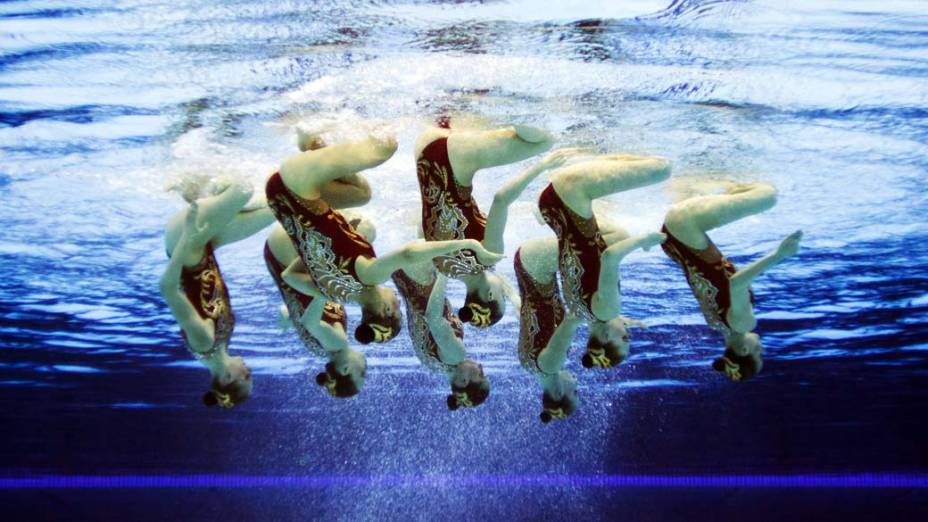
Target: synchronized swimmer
pixel 321 258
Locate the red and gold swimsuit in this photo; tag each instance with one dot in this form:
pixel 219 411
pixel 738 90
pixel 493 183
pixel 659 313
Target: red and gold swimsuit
pixel 205 289
pixel 327 243
pixel 448 210
pixel 416 296
pixel 708 273
pixel 580 245
pixel 298 302
pixel 542 312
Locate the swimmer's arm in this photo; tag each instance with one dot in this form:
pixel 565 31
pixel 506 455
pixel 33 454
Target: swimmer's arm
pixel 610 174
pixel 606 298
pixel 374 271
pixel 788 247
pixel 552 358
pixel 306 172
pixel 331 338
pixel 199 331
pixel 499 211
pixel 299 279
pixel 450 347
pixel 471 151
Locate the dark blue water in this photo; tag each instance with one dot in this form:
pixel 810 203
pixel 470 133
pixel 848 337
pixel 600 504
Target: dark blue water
pixel 102 104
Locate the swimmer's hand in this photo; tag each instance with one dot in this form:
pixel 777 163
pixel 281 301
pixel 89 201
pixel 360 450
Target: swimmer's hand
pixel 649 240
pixel 485 257
pixel 790 245
pixel 194 231
pixel 633 323
pixel 283 318
pixel 559 157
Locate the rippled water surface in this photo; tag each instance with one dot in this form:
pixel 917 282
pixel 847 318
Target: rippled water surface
pixel 102 104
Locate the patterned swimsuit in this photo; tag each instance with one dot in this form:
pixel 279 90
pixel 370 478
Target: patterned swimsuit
pixel 580 245
pixel 298 302
pixel 416 296
pixel 205 289
pixel 448 210
pixel 542 312
pixel 327 243
pixel 708 273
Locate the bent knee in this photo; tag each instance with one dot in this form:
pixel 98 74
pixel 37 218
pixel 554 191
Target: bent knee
pixel 677 217
pixel 660 165
pixel 568 182
pixel 766 193
pixel 683 222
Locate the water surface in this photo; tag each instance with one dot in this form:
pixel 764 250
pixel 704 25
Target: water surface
pixel 102 104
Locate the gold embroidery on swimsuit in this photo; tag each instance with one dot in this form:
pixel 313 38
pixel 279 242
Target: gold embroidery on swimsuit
pixel 423 343
pixel 447 221
pixel 703 289
pixel 331 274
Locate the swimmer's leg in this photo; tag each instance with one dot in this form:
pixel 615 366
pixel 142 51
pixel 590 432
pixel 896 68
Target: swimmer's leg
pixel 612 231
pixel 472 151
pixel 361 224
pixel 581 183
pixel 689 220
pixel 213 215
pixel 306 172
pixel 245 224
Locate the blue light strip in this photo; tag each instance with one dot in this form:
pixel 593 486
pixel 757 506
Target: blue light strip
pixel 866 480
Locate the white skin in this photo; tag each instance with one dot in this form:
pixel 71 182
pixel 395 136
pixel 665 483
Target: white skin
pixel 539 258
pixel 350 190
pixel 580 183
pixel 472 150
pixel 332 337
pixel 689 221
pixel 305 174
pixel 217 220
pixel 450 347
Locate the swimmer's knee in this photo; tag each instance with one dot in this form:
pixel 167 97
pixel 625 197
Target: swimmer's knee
pixel 767 193
pixel 686 222
pixel 677 217
pixel 568 182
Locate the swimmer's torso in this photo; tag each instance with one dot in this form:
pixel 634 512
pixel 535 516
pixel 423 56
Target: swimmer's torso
pixel 707 272
pixel 541 313
pixel 580 246
pixel 448 209
pixel 326 242
pixel 298 302
pixel 416 296
pixel 206 290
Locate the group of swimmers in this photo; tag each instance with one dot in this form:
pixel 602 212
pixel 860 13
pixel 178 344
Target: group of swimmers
pixel 321 258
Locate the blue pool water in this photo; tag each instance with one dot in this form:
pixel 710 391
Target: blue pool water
pixel 102 104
